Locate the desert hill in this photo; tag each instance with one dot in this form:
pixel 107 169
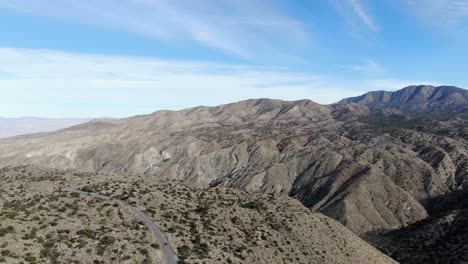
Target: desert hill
pixel 39 223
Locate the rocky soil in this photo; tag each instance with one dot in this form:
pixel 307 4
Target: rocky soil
pixel 40 224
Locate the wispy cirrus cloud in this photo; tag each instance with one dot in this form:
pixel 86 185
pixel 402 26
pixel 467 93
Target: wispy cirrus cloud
pixel 440 13
pixel 362 14
pixel 239 27
pixel 355 10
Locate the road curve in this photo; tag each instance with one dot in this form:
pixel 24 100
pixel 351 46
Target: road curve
pixel 169 255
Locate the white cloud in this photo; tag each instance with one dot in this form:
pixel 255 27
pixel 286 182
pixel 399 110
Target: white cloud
pixel 370 67
pixel 244 28
pixel 59 84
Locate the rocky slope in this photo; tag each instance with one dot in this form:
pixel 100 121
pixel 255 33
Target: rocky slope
pixel 41 224
pixel 339 159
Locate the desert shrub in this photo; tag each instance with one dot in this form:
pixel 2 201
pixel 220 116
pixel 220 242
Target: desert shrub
pixel 48 250
pixel 107 240
pixel 6 230
pixel 202 210
pixel 184 252
pixel 100 250
pixel 155 245
pixel 235 220
pixel 147 260
pixel 9 214
pixel 256 205
pixel 30 258
pixel 87 233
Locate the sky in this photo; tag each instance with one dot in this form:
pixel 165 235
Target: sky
pixel 118 58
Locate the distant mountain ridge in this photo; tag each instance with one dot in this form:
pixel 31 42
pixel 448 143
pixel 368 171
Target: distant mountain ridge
pixel 422 99
pixel 10 127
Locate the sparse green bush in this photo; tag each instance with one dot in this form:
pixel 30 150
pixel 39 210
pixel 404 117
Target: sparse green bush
pixel 184 252
pixel 107 240
pixel 87 233
pixel 256 205
pixel 6 230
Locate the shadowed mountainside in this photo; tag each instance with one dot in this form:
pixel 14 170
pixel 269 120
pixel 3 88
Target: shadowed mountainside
pixel 441 238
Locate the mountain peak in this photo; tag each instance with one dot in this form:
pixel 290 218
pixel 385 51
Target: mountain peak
pixel 417 99
pixel 250 110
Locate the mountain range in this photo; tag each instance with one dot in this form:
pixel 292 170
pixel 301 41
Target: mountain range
pixel 375 163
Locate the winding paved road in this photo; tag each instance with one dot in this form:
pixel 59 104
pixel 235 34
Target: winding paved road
pixel 169 255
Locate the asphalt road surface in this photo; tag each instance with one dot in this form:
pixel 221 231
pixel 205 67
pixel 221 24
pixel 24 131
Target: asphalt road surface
pixel 169 255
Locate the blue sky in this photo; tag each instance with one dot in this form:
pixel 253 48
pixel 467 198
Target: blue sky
pixel 116 58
